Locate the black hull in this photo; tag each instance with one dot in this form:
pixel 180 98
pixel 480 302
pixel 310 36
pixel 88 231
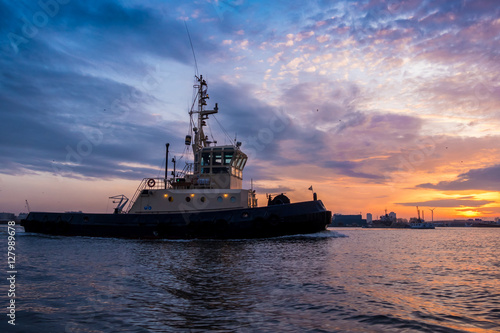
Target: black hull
pixel 262 222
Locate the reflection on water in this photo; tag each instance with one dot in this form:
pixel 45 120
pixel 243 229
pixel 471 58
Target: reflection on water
pixel 442 280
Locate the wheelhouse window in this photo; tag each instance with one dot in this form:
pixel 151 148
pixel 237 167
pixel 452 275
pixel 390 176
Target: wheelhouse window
pixel 239 163
pixel 220 160
pixel 205 159
pixel 217 158
pixel 243 162
pixel 228 156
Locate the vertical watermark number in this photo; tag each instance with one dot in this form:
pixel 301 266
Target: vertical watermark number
pixel 11 272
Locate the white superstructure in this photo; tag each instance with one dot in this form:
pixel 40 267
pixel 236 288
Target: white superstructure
pixel 212 182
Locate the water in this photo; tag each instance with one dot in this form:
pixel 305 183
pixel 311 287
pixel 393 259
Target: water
pixel 343 280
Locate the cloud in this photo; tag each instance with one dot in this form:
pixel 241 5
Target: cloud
pixel 278 189
pixel 78 97
pixel 347 168
pixel 100 32
pixel 448 203
pixel 467 94
pixel 321 122
pixel 484 179
pixel 48 115
pixel 325 126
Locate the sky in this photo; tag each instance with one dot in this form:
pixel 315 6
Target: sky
pixel 377 104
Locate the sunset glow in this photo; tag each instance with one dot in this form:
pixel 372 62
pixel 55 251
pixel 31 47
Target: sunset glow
pixel 376 104
pixel 470 213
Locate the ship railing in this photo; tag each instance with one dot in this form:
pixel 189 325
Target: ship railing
pixel 150 184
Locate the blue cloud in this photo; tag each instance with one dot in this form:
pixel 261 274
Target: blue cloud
pixel 485 179
pixel 88 55
pixel 60 93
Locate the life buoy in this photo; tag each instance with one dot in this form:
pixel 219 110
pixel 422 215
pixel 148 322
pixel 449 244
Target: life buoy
pixel 151 182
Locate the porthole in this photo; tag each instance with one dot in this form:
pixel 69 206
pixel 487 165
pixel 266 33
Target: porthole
pixel 188 199
pixel 219 198
pixel 202 199
pixel 233 199
pixel 170 199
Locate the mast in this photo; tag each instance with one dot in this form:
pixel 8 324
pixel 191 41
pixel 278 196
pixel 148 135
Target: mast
pixel 214 166
pixel 200 139
pixel 166 165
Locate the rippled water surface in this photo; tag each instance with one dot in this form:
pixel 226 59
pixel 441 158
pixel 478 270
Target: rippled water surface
pixel 343 280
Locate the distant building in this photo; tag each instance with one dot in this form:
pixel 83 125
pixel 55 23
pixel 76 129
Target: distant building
pixel 392 216
pixel 369 218
pixel 340 220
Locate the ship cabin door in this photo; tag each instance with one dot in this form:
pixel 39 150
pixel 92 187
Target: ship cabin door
pixel 220 167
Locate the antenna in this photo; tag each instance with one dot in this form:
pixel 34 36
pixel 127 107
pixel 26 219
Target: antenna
pixel 192 49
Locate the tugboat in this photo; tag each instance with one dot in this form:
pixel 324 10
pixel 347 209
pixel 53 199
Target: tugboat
pixel 204 201
pixel 419 223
